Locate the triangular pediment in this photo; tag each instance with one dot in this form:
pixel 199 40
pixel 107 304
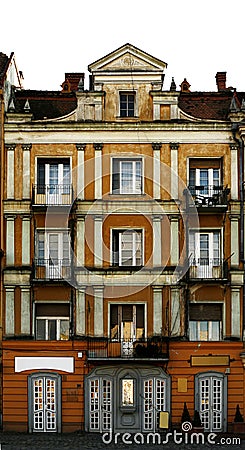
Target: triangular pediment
pixel 127 58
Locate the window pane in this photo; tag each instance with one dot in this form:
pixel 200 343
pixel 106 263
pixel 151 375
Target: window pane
pixel 215 330
pixel 203 334
pixel 127 392
pixel 52 330
pixel 40 330
pixel 64 330
pixel 193 330
pixel 204 248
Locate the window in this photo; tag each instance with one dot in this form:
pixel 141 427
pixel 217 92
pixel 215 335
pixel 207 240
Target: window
pixel 205 322
pixel 53 181
pixel 204 253
pixel 127 104
pixel 127 176
pixel 52 321
pixel 127 248
pixel 127 387
pixel 127 322
pixel 53 253
pixel 205 177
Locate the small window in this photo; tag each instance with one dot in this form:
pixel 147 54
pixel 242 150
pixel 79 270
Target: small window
pixel 127 176
pixel 127 248
pixel 127 104
pixel 127 392
pixel 205 322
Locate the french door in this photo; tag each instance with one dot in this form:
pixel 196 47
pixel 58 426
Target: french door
pixel 206 179
pixel 44 398
pixel 210 401
pixel 154 401
pixel 56 254
pixel 204 251
pixel 100 404
pixel 57 178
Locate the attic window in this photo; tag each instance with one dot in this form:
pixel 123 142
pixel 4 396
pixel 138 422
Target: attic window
pixel 127 104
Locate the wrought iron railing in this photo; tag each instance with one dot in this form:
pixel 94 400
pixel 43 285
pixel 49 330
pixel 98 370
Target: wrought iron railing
pixel 52 194
pixel 215 268
pixel 52 269
pixel 209 195
pixel 145 348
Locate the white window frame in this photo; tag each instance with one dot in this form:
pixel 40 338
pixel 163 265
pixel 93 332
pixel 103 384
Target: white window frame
pixel 58 320
pixel 123 229
pixel 209 231
pixel 128 158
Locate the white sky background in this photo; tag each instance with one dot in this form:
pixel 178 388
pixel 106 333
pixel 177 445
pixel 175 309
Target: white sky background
pixel 196 38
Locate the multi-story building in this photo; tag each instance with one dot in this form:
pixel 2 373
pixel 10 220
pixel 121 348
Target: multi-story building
pixel 123 257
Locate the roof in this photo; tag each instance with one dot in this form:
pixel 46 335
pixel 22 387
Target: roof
pixel 45 104
pixel 4 62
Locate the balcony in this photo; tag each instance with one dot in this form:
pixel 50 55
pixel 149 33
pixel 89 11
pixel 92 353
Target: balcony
pixel 52 269
pixel 155 348
pixel 52 194
pixel 209 196
pixel 207 268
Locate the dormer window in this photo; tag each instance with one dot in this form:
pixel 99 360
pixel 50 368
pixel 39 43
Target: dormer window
pixel 127 104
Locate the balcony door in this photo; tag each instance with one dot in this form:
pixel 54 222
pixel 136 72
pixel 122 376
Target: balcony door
pixel 54 253
pixel 127 324
pixel 53 181
pixel 204 251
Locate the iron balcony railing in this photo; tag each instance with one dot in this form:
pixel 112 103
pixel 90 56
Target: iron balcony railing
pixel 144 348
pixel 52 269
pixel 215 268
pixel 209 195
pixel 52 194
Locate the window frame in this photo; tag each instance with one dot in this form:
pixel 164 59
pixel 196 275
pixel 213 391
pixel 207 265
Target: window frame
pixel 119 230
pixel 130 159
pixel 197 323
pixel 58 320
pixel 127 93
pixel 134 320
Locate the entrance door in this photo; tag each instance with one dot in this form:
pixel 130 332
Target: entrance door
pixel 210 399
pixel 44 398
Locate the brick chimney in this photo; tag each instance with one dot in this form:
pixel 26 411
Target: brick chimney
pixel 221 81
pixel 71 81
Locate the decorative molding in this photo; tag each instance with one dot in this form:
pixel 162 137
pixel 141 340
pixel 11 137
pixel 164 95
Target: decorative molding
pixel 26 147
pixel 156 145
pixel 98 146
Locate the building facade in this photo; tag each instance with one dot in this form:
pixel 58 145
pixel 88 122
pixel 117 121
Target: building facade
pixel 123 251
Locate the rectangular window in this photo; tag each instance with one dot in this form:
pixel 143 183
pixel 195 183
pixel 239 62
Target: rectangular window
pixel 205 253
pixel 53 181
pixel 127 104
pixel 127 248
pixel 127 392
pixel 127 176
pixel 205 177
pixel 127 321
pixel 53 254
pixel 205 322
pixel 52 321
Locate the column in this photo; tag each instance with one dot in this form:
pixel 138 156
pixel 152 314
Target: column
pixel 98 170
pixel 10 170
pixel 235 311
pixel 9 310
pixel 25 310
pixel 234 240
pixel 157 241
pixel 234 171
pixel 174 170
pixel 98 241
pixel 26 193
pixel 80 241
pixel 156 169
pixel 157 310
pixel 80 312
pixel 175 312
pixel 174 240
pixel 26 237
pixel 10 240
pixel 98 311
pixel 80 171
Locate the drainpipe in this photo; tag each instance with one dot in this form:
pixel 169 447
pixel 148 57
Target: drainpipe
pixel 240 143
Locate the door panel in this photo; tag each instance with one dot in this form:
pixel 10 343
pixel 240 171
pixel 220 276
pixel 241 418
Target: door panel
pixel 210 392
pixel 43 404
pixel 100 404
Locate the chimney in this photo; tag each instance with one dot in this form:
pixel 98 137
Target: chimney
pixel 221 81
pixel 72 80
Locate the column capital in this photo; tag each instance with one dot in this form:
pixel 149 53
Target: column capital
pixel 174 217
pixel 81 147
pixel 98 218
pixel 234 146
pixel 26 146
pixel 156 145
pixel 98 146
pixel 10 147
pixel 174 145
pixel 9 216
pixel 234 217
pixel 156 218
pixel 157 288
pixel 98 289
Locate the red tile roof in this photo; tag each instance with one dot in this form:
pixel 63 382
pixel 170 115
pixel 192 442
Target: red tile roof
pixel 45 104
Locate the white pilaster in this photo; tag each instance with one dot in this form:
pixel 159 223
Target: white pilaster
pixel 157 241
pixel 157 310
pixel 80 241
pixel 80 312
pixel 26 237
pixel 156 111
pixel 234 171
pixel 175 312
pixel 174 232
pixel 98 171
pixel 26 171
pixel 98 311
pixel 10 170
pixel 25 310
pixel 9 311
pixel 80 171
pixel 234 236
pixel 156 170
pixel 98 241
pixel 174 170
pixel 235 311
pixel 10 240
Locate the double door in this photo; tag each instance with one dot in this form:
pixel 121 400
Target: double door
pixel 44 403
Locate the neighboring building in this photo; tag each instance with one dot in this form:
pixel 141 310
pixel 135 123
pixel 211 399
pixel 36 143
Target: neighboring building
pixel 123 295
